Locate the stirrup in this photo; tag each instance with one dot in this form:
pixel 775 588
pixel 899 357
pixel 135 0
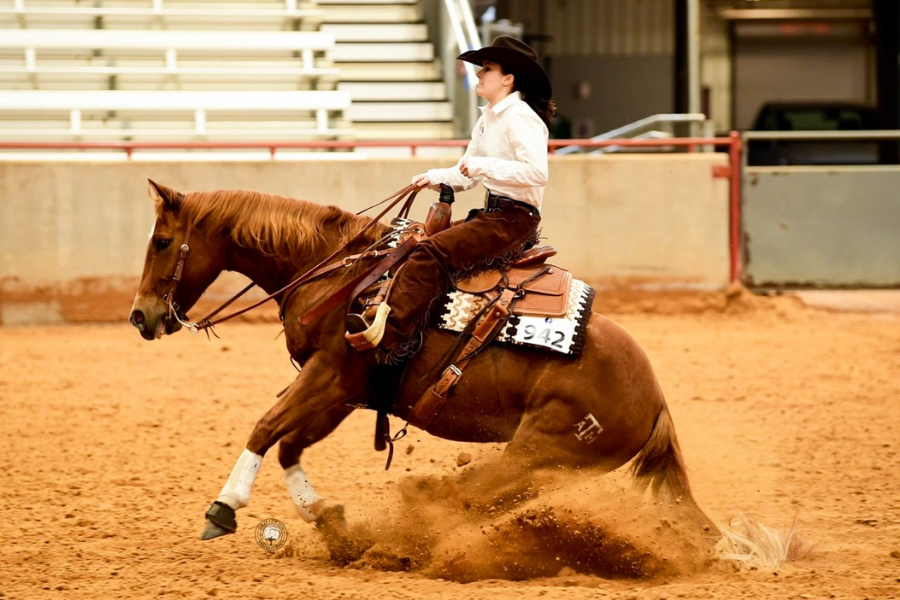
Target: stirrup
pixel 363 336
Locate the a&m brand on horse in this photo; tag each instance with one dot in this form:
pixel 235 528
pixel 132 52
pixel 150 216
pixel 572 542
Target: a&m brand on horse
pixel 513 356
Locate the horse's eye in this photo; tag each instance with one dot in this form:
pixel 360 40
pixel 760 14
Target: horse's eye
pixel 161 244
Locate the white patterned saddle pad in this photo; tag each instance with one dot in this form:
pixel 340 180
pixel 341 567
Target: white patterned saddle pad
pixel 564 334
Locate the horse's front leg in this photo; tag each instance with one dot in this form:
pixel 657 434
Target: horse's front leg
pixel 319 387
pixel 308 502
pixel 311 507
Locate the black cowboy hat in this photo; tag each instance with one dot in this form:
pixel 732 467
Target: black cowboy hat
pixel 517 58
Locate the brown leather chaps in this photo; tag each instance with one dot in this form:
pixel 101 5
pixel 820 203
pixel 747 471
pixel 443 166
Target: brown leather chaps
pixel 487 238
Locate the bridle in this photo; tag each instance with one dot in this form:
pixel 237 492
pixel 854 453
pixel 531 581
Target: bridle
pixel 327 265
pixel 169 296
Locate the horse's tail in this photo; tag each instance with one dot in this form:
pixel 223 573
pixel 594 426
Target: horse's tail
pixel 746 541
pixel 659 464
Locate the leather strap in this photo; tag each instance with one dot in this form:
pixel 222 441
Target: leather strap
pixel 357 284
pixel 207 322
pixel 171 309
pixel 345 263
pixel 427 407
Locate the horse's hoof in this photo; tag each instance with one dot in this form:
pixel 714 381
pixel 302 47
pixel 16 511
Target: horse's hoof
pixel 220 520
pixel 212 531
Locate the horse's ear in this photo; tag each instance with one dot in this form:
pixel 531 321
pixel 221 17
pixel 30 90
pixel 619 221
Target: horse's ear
pixel 167 195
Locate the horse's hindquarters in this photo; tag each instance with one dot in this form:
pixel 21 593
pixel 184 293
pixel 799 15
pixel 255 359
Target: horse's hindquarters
pixel 593 410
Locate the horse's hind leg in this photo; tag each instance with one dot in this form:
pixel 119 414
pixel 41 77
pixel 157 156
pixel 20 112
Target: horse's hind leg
pixel 557 434
pixel 501 483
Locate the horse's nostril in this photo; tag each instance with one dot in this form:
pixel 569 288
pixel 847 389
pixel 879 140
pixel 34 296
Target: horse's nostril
pixel 137 319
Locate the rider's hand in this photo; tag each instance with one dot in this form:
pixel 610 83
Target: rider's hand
pixel 464 167
pixel 420 181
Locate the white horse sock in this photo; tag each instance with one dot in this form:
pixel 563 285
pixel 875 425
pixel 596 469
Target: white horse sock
pixel 302 493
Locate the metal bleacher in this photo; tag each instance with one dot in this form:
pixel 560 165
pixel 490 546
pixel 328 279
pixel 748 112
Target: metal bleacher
pixel 388 64
pixel 160 14
pixel 192 70
pixel 158 115
pixel 154 59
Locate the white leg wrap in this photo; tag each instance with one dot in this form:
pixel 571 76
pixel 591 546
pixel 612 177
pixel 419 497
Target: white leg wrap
pixel 236 492
pixel 302 493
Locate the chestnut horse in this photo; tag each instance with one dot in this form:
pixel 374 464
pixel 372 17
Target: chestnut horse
pixel 598 410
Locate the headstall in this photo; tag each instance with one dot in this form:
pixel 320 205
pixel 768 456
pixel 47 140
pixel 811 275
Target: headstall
pixel 169 298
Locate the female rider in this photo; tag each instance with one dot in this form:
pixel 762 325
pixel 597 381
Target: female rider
pixel 508 154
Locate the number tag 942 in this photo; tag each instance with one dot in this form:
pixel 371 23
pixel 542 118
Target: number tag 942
pixel 555 334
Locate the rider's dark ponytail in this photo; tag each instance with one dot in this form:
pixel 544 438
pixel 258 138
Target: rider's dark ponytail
pixel 544 107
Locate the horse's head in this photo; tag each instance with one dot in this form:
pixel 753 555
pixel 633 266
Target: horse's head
pixel 181 263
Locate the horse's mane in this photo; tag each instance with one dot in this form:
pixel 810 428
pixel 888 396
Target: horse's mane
pixel 276 226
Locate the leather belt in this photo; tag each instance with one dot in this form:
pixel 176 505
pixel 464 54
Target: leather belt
pixel 493 202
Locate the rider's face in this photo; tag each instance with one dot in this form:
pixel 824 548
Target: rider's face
pixel 493 84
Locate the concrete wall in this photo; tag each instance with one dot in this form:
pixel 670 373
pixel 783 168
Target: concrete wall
pixel 821 227
pixel 73 235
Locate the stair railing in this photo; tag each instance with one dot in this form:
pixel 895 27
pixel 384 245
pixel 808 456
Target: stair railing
pixel 454 31
pixel 652 127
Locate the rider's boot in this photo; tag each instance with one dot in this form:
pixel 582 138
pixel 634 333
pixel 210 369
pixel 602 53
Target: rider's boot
pixel 364 335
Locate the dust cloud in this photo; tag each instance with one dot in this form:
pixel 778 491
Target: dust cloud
pixel 561 522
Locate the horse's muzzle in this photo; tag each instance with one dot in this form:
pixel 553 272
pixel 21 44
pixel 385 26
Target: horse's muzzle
pixel 148 332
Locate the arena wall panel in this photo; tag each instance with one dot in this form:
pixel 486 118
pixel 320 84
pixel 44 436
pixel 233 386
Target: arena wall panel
pixel 73 235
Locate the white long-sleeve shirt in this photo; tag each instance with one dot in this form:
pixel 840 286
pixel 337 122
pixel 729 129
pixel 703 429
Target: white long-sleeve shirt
pixel 508 154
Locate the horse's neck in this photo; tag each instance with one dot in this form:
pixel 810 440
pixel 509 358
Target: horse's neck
pixel 264 271
pixel 272 273
pixel 309 234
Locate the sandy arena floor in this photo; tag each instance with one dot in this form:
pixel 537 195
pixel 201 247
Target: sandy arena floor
pixel 114 447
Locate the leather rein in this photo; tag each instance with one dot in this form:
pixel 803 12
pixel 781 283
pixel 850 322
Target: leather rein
pixel 324 266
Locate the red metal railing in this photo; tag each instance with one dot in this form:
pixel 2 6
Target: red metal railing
pixel 273 146
pixel 732 142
